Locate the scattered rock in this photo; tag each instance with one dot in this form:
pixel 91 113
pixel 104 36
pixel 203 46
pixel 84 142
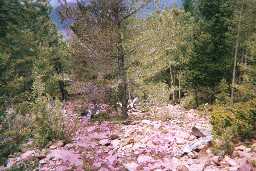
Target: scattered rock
pixel 131 141
pixel 246 166
pixel 144 159
pixel 230 162
pixel 105 142
pixel 182 168
pixel 56 145
pixel 28 155
pixel 193 155
pixel 197 144
pixel 132 166
pixel 11 162
pixel 65 156
pixel 216 160
pixel 41 162
pixel 180 141
pixel 197 132
pixel 240 148
pixel 114 136
pixel 241 154
pixel 254 147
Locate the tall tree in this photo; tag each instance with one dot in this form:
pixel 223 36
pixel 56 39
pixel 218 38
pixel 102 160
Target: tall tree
pixel 212 52
pixel 162 47
pixel 110 18
pixel 27 28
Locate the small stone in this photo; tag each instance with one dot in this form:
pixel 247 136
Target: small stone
pixel 180 141
pixel 144 159
pixel 131 141
pixel 234 168
pixel 231 162
pixel 132 166
pixel 56 145
pixel 216 160
pixel 247 150
pixel 28 155
pixel 197 132
pixel 42 162
pixel 254 147
pixel 104 142
pixel 241 154
pixel 115 143
pixel 148 122
pixel 240 148
pixel 209 152
pixel 182 168
pixel 193 155
pixel 191 138
pixel 246 166
pixel 196 167
pixel 11 162
pixel 114 136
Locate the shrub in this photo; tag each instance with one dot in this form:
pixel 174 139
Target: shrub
pixel 188 101
pixel 15 129
pixel 151 94
pixel 48 122
pixel 25 166
pixel 230 123
pixel 222 95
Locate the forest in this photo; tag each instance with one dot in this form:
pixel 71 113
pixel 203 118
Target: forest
pixel 128 85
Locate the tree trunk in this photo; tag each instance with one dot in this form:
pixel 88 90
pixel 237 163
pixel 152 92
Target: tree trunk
pixel 122 75
pixel 196 96
pixel 179 87
pixel 236 53
pixel 59 70
pixel 172 84
pixel 64 93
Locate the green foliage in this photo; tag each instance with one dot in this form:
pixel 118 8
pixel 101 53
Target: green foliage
pixel 162 48
pixel 222 95
pixel 15 129
pixel 48 122
pixel 230 123
pixel 212 46
pixel 27 36
pixel 25 166
pixel 189 101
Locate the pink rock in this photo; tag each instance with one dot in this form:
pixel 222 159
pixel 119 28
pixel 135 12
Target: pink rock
pixel 66 156
pixel 112 160
pixel 182 168
pixel 105 142
pixel 144 159
pixel 132 166
pixel 28 155
pixel 11 162
pixel 103 169
pixel 246 166
pixel 57 145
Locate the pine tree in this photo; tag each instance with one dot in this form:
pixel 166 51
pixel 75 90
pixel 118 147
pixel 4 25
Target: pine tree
pixel 212 52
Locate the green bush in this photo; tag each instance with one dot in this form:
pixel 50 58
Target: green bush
pixel 25 166
pixel 48 122
pixel 237 121
pixel 222 96
pixel 153 93
pixel 189 101
pixel 15 129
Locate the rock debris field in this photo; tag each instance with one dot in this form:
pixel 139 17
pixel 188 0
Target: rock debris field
pixel 167 138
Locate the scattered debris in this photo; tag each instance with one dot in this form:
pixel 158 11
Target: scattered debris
pixel 145 142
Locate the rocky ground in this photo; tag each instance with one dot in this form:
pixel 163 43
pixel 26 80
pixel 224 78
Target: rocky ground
pixel 165 138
